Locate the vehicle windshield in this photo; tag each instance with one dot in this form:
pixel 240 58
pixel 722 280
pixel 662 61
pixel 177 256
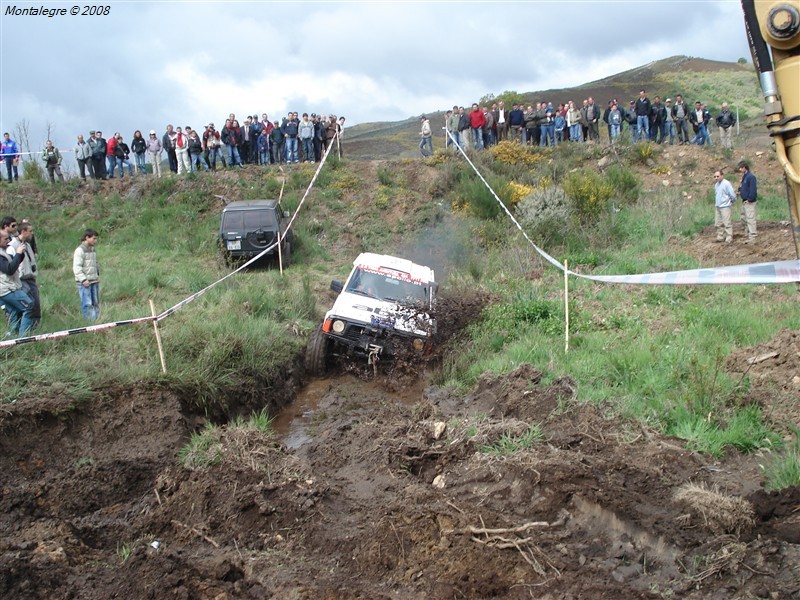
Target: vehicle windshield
pixel 250 220
pixel 395 287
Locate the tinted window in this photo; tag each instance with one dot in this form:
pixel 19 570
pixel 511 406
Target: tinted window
pixel 387 288
pixel 250 220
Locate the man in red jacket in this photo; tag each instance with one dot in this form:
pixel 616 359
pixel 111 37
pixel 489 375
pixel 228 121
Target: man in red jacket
pixel 476 122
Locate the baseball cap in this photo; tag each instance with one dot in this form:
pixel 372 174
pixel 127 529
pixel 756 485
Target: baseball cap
pixel 210 125
pixel 92 132
pixel 668 100
pixel 152 132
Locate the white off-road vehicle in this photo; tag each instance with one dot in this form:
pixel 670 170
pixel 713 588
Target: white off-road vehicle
pixel 384 310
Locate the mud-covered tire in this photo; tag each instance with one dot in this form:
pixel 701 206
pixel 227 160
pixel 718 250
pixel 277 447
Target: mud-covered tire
pixel 317 352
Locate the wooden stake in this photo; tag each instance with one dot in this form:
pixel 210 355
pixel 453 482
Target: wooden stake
pixel 566 308
pixel 280 208
pixel 158 338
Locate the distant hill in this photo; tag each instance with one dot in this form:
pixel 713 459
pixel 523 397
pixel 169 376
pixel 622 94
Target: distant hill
pixel 709 81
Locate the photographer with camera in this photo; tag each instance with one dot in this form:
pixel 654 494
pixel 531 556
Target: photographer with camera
pixel 23 244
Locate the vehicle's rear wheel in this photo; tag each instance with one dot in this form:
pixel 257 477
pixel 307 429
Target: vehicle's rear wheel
pixel 286 254
pixel 317 352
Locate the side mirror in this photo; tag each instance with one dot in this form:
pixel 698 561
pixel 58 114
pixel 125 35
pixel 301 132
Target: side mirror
pixel 286 214
pixel 337 286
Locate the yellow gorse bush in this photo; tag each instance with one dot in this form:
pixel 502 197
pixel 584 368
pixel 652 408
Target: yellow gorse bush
pixel 514 154
pixel 516 192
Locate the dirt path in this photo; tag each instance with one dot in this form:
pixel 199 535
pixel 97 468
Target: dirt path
pixel 374 494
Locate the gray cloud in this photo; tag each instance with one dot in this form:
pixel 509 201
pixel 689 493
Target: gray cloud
pixel 150 63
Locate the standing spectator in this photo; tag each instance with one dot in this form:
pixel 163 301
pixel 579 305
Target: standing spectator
pixel 305 131
pixel 139 147
pixel 615 119
pixel 532 132
pixel 699 119
pixel 17 303
pixel 561 124
pixel 52 160
pixel 516 121
pixel 182 151
pixel 452 126
pixel 154 150
pixel 724 197
pixel 24 244
pixel 319 135
pixel 123 154
pixel 427 137
pixel 276 143
pixel 725 121
pixel 657 125
pixel 262 144
pixel 463 128
pixel 339 136
pixel 10 155
pixel 488 127
pixel 643 108
pixel 244 146
pixel 196 152
pixel 584 122
pixel 98 145
pixel 168 144
pixel 574 122
pixel 83 155
pixel 213 146
pixel 476 123
pixel 501 118
pixel 111 155
pixel 669 121
pixel 680 113
pixel 290 128
pixel 748 190
pixel 87 274
pixel 593 120
pixel 631 119
pixel 547 125
pixel 255 131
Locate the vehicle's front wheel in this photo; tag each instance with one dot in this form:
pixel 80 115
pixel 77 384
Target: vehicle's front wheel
pixel 317 352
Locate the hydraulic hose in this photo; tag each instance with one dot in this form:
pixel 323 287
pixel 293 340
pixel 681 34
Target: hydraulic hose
pixel 758 47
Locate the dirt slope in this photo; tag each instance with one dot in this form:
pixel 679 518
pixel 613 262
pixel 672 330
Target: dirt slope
pixel 370 503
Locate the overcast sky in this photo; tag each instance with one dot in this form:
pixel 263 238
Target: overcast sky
pixel 147 64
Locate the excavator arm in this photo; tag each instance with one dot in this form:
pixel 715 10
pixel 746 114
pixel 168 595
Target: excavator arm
pixel 773 32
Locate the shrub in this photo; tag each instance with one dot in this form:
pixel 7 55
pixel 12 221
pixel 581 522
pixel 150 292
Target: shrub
pixel 589 194
pixel 624 181
pixel 385 176
pixel 545 214
pixel 644 152
pixel 32 171
pixel 477 198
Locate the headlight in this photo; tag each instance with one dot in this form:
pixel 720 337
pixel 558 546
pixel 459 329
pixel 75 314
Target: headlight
pixel 338 326
pixel 418 344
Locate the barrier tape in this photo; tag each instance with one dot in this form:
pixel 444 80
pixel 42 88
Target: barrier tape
pixel 786 271
pixel 185 301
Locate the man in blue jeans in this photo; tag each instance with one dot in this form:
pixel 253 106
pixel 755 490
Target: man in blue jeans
pixel 87 274
pixel 17 303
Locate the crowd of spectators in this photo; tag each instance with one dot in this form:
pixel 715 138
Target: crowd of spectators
pixel 543 124
pixel 257 141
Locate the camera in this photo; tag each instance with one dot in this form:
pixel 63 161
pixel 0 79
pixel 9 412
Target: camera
pixel 33 268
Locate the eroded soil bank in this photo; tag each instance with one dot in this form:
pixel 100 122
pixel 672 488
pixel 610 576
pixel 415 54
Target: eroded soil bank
pixel 390 492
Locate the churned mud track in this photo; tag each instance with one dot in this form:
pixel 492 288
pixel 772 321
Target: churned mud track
pixel 378 490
